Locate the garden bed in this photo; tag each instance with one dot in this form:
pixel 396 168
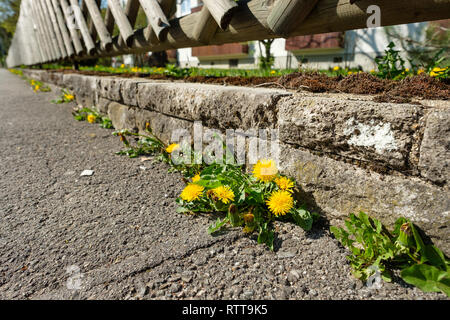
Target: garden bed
pixel 419 87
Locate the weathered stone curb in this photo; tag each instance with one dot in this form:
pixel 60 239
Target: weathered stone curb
pixel 348 154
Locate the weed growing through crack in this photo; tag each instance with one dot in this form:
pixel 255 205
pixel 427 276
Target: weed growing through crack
pixel 251 201
pixel 144 144
pixel 372 247
pixel 92 116
pixel 38 86
pixel 65 97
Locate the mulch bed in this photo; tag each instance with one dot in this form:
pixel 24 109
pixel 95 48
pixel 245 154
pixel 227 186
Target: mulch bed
pixel 403 91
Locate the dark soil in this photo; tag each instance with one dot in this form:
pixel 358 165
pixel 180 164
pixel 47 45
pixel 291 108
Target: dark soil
pixel 420 86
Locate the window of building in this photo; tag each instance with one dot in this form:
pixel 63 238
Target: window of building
pixel 233 63
pixel 337 59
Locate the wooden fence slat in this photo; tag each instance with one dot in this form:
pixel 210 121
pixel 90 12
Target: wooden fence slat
pixel 62 28
pixel 286 15
pixel 221 10
pixel 156 17
pixel 126 31
pixel 44 40
pixel 48 30
pixel 96 18
pixel 55 26
pixel 206 27
pixel 81 22
pixel 169 9
pixel 41 39
pixel 131 11
pixel 89 21
pixel 72 31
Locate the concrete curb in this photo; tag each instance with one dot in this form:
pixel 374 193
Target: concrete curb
pixel 347 153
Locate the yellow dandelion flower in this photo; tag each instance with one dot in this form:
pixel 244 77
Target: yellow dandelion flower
pixel 196 178
pixel 336 68
pixel 420 71
pixel 280 202
pixel 172 147
pixel 284 183
pixel 91 118
pixel 224 194
pixel 436 71
pixel 349 73
pixel 36 88
pixel 407 70
pixel 273 72
pixel 122 66
pixel 372 71
pixel 265 170
pixel 192 192
pixel 69 97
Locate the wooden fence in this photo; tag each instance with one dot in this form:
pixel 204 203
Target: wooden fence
pixel 72 30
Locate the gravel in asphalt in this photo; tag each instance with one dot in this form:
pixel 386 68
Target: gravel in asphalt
pixel 116 234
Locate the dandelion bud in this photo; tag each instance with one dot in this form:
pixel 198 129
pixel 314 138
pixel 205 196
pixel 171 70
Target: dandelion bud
pixel 249 217
pixel 405 237
pixel 233 215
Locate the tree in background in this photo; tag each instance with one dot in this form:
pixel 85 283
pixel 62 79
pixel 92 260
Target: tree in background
pixel 9 14
pixel 266 60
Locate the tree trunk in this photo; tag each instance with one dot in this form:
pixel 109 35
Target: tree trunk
pixel 158 59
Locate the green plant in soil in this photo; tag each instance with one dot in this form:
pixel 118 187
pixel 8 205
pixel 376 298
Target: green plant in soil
pixel 372 247
pixel 65 97
pixel 92 116
pixel 392 65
